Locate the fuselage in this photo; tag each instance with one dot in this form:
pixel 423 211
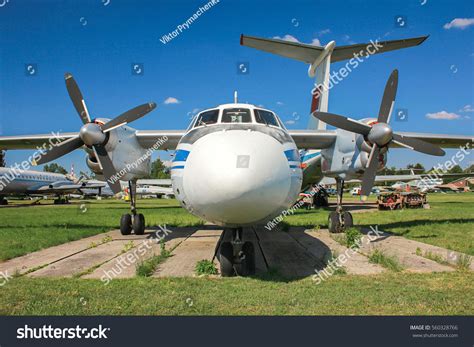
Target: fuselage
pixel 236 165
pixel 17 181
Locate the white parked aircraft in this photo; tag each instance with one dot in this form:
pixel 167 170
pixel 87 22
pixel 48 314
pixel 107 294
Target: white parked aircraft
pixel 237 165
pixel 18 182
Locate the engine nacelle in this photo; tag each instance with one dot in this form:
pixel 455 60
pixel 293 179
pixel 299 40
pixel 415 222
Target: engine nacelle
pixel 130 159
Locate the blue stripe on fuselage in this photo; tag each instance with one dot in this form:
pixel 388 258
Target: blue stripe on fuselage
pixel 292 155
pixel 181 155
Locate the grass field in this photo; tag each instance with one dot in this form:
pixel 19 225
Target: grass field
pixel 388 294
pixel 448 224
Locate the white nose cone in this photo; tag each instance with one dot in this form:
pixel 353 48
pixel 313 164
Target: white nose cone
pixel 237 177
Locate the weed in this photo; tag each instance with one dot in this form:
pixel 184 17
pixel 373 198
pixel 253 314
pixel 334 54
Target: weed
pixel 205 267
pixel 389 262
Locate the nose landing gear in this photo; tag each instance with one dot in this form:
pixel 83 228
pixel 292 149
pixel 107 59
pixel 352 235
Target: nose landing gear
pixel 339 220
pixel 133 221
pixel 236 257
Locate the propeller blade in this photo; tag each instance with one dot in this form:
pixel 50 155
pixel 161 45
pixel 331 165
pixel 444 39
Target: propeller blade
pixel 343 122
pixel 418 145
pixel 60 150
pixel 368 178
pixel 77 98
pixel 108 169
pixel 129 116
pixel 388 99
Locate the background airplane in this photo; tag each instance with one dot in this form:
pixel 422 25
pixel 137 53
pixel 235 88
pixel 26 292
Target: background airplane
pixel 36 183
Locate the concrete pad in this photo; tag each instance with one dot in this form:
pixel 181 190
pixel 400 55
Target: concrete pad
pixel 200 245
pixel 124 266
pixel 53 254
pixel 356 264
pixel 405 251
pixel 283 253
pixel 82 261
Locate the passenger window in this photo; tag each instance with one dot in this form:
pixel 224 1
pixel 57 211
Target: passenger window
pixel 265 117
pixel 208 117
pixel 236 115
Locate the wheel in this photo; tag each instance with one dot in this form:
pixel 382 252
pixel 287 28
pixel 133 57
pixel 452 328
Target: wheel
pixel 348 220
pixel 126 224
pixel 3 202
pixel 138 224
pixel 246 266
pixel 226 256
pixel 334 225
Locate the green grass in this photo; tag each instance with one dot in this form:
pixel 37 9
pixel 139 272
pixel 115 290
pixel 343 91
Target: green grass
pixel 388 262
pixel 31 228
pixel 205 267
pixel 385 294
pixel 147 267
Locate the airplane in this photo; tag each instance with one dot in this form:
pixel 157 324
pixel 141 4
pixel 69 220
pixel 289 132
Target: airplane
pixel 17 182
pixel 237 165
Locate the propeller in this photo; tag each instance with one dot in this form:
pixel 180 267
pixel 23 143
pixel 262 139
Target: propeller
pixel 92 134
pixel 380 134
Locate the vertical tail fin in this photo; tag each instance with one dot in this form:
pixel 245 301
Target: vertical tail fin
pixel 320 94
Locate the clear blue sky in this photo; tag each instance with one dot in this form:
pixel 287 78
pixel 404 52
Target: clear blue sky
pixel 98 42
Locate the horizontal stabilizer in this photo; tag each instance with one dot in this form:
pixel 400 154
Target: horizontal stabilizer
pixel 309 53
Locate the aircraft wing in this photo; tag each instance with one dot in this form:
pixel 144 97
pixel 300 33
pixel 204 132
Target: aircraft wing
pixel 401 178
pixel 309 53
pixel 442 140
pixel 32 141
pixel 64 188
pixel 154 182
pixel 146 138
pixel 313 139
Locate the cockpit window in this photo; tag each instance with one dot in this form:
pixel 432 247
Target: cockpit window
pixel 208 117
pixel 236 115
pixel 265 117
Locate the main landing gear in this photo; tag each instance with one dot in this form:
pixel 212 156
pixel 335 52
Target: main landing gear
pixel 61 200
pixel 236 257
pixel 132 221
pixel 339 220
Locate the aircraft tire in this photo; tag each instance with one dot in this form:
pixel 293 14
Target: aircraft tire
pixel 348 220
pixel 334 225
pixel 249 252
pixel 226 255
pixel 139 224
pixel 126 224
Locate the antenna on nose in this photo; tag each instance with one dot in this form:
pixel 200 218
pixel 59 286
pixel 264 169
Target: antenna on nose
pixel 235 97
